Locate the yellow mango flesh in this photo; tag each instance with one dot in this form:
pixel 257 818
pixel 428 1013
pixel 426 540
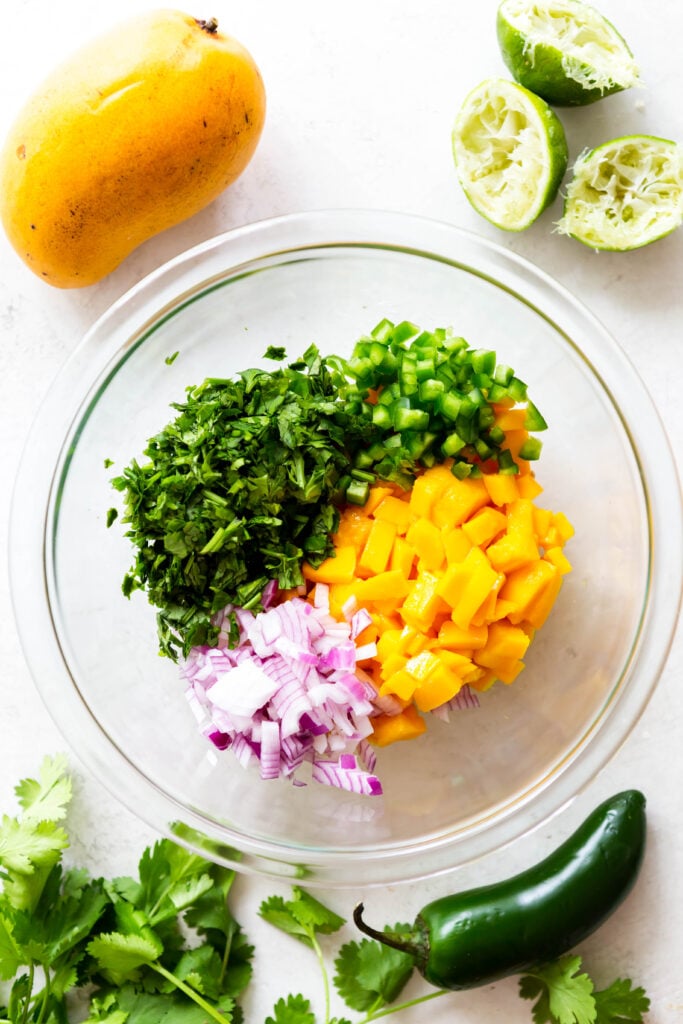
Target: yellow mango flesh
pixel 454 598
pixel 138 131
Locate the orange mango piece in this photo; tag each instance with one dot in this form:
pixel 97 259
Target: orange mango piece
pixel 484 525
pixel 376 552
pixel 528 486
pixel 425 539
pixel 422 602
pixel 402 556
pixel 407 725
pixel 501 487
pixel 341 568
pixel 532 590
pixel 559 559
pixel 454 638
pixel 461 500
pixel 438 688
pixel 390 586
pixel 375 498
pixel 394 510
pixel 455 544
pixel 481 579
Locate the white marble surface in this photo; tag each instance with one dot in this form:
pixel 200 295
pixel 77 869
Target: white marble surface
pixel 361 100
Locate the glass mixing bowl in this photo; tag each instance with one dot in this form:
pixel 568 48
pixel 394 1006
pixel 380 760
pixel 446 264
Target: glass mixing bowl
pixel 466 787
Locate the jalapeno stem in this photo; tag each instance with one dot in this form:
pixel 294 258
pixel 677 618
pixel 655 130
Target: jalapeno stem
pixel 406 943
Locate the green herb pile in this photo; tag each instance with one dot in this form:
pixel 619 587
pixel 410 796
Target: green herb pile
pixel 164 948
pixel 236 491
pixel 246 483
pixel 122 941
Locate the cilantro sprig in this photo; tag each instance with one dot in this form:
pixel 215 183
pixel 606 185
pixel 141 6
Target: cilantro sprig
pixel 124 939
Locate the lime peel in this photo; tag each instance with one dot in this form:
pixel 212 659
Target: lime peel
pixel 625 194
pixel 564 50
pixel 510 153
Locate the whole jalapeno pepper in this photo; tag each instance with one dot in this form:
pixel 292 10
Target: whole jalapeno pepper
pixel 484 934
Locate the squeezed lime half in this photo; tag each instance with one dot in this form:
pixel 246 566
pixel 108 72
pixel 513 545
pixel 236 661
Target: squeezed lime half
pixel 625 193
pixel 564 50
pixel 510 153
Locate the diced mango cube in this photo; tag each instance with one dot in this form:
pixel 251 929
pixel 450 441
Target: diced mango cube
pixel 511 419
pixel 455 543
pixel 454 638
pixel 484 525
pixel 391 728
pixel 532 590
pixel 505 643
pixel 376 552
pixel 390 586
pixel 375 498
pixel 528 486
pixel 557 557
pixel 354 527
pixel 461 500
pixel 340 568
pixel 512 551
pixel 501 487
pixel 400 683
pixel 438 688
pixel 563 526
pixel 425 539
pixel 422 665
pixel 482 578
pixel 402 556
pixel 422 602
pixel 426 491
pixel 395 510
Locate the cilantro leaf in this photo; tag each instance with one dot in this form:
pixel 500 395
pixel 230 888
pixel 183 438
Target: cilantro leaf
pixel 370 975
pixel 302 917
pixel 276 352
pixel 120 956
pixel 211 917
pixel 11 958
pixel 32 843
pixel 621 1003
pixel 292 1010
pixel 563 996
pixel 171 879
pixel 47 798
pixel 128 1006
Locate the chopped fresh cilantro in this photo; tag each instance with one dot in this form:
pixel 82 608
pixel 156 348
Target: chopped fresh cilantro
pixel 236 491
pixel 169 360
pixel 276 352
pixel 108 463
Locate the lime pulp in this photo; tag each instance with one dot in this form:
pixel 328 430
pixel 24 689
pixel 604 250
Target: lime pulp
pixel 564 50
pixel 625 193
pixel 510 153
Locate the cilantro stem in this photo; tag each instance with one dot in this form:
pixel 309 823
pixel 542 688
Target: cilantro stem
pixel 27 1001
pixel 372 1015
pixel 45 996
pixel 323 970
pixel 190 992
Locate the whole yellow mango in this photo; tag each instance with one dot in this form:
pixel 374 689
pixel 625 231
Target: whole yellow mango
pixel 136 132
